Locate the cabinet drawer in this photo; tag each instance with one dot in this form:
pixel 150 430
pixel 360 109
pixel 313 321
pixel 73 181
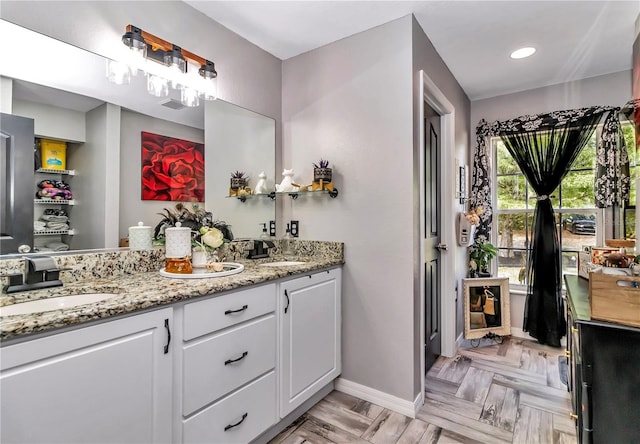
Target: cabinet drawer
pixel 256 403
pixel 219 364
pixel 214 314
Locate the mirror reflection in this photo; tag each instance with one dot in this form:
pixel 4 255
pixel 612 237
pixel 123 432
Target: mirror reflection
pixel 486 305
pixel 102 124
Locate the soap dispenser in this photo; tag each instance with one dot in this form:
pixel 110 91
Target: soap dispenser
pixel 287 242
pixel 265 234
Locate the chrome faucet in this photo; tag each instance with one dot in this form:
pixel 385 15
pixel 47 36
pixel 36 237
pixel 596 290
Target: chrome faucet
pixel 40 272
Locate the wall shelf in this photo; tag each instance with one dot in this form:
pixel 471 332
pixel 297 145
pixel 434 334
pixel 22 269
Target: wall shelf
pixel 62 172
pixel 69 232
pixel 292 194
pixel 53 202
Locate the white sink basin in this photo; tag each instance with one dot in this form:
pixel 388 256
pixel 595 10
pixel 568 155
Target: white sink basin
pixel 282 264
pixel 58 303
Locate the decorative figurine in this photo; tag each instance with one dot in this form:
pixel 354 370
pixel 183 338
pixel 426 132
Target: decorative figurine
pixel 261 186
pixel 287 184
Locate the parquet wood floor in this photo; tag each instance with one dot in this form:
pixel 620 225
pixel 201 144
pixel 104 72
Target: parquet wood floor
pixel 496 393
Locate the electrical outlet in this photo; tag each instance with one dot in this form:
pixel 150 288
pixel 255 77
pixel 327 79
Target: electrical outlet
pixel 272 228
pixel 294 228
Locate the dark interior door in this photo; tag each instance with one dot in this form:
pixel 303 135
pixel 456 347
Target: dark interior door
pixel 432 236
pixel 16 184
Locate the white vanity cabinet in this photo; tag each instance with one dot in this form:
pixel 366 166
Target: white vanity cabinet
pixel 226 380
pixel 310 330
pixel 109 382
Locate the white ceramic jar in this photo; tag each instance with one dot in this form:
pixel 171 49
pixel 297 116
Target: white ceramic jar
pixel 140 237
pixel 177 242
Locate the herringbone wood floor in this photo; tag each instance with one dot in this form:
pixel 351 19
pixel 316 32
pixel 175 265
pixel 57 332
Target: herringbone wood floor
pixel 496 393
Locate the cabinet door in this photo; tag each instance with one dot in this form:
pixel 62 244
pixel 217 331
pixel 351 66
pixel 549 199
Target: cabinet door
pixel 104 383
pixel 310 313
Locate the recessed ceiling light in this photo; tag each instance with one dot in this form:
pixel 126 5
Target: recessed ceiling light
pixel 522 53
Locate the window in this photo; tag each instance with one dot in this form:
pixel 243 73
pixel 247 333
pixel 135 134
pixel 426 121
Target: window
pixel 578 220
pixel 634 172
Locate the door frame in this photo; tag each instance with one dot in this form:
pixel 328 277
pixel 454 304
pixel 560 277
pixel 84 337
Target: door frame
pixel 432 95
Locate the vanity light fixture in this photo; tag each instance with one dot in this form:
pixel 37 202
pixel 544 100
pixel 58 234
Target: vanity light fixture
pixel 523 52
pixel 165 63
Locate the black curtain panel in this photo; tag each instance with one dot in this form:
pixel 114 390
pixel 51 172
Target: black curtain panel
pixel 545 149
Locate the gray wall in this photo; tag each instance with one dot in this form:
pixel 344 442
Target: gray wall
pixel 609 89
pixel 362 118
pixel 426 58
pixel 351 102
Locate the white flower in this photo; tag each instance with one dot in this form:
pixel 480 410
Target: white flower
pixel 213 238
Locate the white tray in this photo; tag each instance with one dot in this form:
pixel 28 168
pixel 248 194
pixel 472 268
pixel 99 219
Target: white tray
pixel 202 273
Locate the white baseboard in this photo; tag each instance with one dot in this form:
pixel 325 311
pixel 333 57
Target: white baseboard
pixel 402 406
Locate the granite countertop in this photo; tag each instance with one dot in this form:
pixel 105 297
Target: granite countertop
pixel 144 290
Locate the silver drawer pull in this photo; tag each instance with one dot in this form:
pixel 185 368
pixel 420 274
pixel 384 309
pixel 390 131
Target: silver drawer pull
pixel 230 426
pixel 244 307
pixel 231 361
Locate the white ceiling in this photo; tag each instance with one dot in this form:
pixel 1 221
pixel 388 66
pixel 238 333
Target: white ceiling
pixel 575 39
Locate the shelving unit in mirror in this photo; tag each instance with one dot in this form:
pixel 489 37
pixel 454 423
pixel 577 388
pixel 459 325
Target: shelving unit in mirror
pixel 292 194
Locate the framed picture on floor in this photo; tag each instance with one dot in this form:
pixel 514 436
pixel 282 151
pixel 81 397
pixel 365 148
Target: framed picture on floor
pixel 486 307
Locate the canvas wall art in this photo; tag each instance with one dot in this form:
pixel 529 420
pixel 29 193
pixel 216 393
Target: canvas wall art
pixel 172 169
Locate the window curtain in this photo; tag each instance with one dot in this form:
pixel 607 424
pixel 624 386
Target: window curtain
pixel 612 184
pixel 545 149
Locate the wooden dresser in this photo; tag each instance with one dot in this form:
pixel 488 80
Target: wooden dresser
pixel 603 372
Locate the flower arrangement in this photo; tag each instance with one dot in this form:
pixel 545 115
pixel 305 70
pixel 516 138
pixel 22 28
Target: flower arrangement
pixel 206 233
pixel 473 215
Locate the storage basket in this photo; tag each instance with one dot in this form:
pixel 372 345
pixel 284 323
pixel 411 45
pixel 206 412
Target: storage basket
pixel 615 298
pixel 53 154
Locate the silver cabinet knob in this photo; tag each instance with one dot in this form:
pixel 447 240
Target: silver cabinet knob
pixel 442 247
pixel 24 248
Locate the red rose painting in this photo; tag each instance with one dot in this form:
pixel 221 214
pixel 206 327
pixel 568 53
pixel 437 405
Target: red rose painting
pixel 172 169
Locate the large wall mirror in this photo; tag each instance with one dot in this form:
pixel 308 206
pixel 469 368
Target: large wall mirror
pixel 65 91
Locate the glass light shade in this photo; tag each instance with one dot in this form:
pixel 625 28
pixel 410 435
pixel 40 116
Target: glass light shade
pixel 189 97
pixel 118 72
pixel 157 86
pixel 175 60
pixel 209 89
pixel 139 51
pixel 176 76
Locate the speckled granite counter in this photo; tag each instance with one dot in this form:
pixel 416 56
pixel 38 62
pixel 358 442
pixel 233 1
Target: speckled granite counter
pixel 134 276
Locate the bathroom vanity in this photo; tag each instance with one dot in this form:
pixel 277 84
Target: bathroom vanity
pixel 174 360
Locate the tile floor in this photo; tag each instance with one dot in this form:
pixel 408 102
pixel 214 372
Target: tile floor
pixel 496 393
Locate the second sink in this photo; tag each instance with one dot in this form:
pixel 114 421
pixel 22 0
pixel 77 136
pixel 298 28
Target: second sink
pixel 57 303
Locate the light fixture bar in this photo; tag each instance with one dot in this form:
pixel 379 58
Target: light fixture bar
pixel 194 76
pixel 157 44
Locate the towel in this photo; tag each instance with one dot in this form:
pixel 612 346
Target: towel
pixel 39 225
pixel 52 218
pixel 57 246
pixel 57 226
